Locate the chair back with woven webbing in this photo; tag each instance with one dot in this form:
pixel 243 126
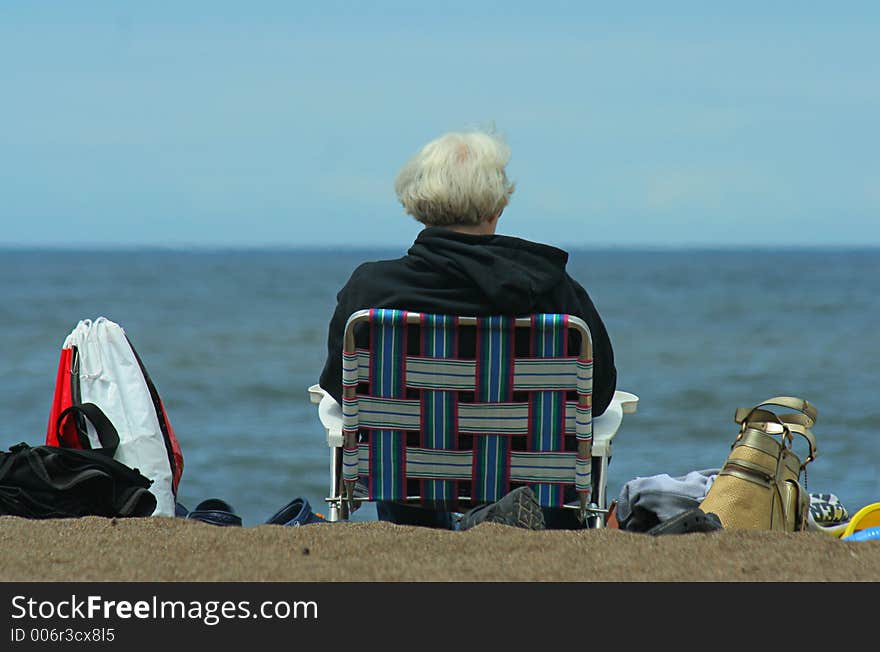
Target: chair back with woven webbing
pixel 450 412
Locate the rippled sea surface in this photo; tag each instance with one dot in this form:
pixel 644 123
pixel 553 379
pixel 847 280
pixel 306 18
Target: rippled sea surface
pixel 233 339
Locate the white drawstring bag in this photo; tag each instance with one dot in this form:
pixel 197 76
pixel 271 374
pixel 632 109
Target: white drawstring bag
pixel 99 365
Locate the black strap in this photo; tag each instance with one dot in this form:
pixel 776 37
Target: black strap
pixel 160 410
pixel 107 434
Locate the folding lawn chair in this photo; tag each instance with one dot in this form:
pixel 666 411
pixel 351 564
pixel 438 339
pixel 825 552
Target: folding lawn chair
pixel 450 412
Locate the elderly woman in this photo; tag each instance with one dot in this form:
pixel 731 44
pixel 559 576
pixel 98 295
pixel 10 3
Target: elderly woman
pixel 457 187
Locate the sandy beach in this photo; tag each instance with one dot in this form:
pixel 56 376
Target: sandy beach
pixel 175 550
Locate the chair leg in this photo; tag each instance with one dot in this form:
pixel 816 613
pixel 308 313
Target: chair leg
pixel 333 511
pixel 600 493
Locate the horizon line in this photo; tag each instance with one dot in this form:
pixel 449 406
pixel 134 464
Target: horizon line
pixel 322 248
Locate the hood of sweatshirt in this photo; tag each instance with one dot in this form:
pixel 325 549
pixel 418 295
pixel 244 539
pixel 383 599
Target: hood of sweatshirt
pixel 510 272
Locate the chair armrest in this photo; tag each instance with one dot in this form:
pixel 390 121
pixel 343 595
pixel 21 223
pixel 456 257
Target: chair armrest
pixel 606 425
pixel 628 402
pixel 330 414
pixel 316 393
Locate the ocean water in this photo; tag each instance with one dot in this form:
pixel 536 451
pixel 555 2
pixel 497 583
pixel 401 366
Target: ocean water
pixel 233 339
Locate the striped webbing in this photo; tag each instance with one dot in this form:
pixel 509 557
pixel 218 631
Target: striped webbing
pixel 387 379
pixel 387 481
pixel 452 375
pixel 494 384
pixel 473 418
pixel 439 409
pixel 434 464
pixel 549 338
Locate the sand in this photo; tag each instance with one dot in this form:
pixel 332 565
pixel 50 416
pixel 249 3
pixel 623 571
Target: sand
pixel 174 550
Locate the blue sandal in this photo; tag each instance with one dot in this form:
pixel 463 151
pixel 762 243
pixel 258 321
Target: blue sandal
pixel 215 512
pixel 295 513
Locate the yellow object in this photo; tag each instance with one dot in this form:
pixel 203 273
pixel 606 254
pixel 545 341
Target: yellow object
pixel 867 516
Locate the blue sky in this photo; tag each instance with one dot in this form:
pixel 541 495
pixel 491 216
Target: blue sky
pixel 284 123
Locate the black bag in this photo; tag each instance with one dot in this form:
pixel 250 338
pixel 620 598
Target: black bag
pixel 57 482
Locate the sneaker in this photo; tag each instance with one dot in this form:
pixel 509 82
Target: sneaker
pixel 519 508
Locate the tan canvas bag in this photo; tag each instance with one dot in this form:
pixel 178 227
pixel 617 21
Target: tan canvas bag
pixel 759 488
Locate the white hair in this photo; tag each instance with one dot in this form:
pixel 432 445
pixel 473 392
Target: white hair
pixel 458 178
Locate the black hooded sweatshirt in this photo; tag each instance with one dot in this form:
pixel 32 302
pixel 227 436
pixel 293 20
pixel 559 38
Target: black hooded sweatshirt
pixel 447 272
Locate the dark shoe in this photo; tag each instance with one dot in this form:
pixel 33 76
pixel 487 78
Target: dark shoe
pixel 519 508
pixel 692 520
pixel 215 512
pixel 297 512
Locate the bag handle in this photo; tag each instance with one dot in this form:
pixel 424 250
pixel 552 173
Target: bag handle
pixel 792 403
pixel 792 423
pixel 107 433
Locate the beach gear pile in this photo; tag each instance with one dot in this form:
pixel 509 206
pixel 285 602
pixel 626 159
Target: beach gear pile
pixel 757 488
pixel 110 448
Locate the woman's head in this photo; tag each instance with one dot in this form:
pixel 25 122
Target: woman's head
pixel 458 179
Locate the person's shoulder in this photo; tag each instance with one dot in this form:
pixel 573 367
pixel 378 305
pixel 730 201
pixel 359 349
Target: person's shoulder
pixel 369 267
pixel 552 252
pixel 369 270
